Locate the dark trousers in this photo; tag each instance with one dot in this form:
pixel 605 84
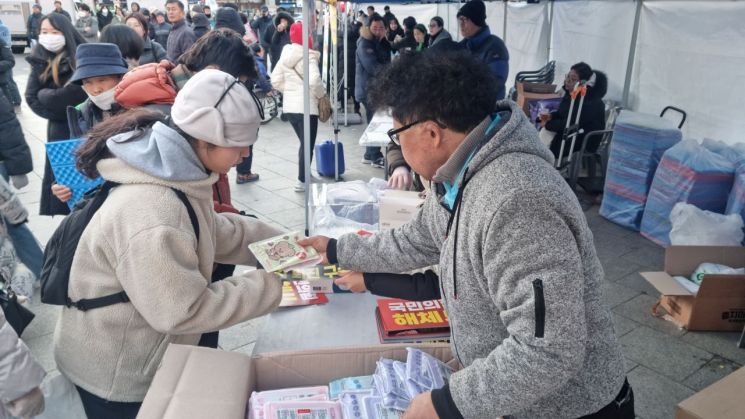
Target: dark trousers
pixel 296 120
pixel 98 408
pixel 622 407
pixel 371 153
pixel 210 339
pixel 244 168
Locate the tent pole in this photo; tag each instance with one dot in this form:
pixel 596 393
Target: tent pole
pixel 346 66
pixel 550 29
pixel 632 54
pixel 334 30
pixel 504 28
pixel 306 109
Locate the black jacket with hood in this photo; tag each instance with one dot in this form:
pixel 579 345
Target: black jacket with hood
pixel 200 25
pixel 50 101
pixel 592 117
pixel 14 151
pixel 279 39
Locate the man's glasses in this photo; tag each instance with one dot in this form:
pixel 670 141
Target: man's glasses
pixel 394 132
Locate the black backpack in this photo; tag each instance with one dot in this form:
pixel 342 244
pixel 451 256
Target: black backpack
pixel 60 250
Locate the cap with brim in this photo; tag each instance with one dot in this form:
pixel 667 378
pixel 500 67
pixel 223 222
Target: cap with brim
pixel 97 60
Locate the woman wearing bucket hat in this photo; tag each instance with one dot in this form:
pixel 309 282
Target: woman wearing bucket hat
pixel 100 68
pixel 142 241
pixel 48 92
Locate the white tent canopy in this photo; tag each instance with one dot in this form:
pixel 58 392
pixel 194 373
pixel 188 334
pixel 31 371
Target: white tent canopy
pixel 689 54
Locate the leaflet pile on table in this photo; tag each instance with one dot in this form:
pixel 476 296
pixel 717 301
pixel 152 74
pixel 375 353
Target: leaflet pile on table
pixel 384 395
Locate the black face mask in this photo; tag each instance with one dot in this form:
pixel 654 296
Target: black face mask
pixel 209 15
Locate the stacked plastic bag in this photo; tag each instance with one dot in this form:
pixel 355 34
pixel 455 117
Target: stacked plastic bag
pixel 384 395
pixel 688 172
pixel 346 207
pixel 639 141
pixel 736 201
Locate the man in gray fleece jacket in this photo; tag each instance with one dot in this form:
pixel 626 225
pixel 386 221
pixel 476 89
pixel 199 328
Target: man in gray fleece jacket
pixel 519 274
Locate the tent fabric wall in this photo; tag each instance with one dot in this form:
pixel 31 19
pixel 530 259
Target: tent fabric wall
pixel 596 32
pixel 527 37
pixel 692 55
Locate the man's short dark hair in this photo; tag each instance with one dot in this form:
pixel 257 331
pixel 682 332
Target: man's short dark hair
pixel 224 48
pixel 180 5
pixel 58 2
pixel 206 7
pixel 370 8
pixel 84 7
pixel 409 23
pixel 387 8
pixel 438 20
pixel 452 87
pixel 375 18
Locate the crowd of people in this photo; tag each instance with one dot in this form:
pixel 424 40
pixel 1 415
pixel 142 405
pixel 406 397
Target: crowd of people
pixel 168 101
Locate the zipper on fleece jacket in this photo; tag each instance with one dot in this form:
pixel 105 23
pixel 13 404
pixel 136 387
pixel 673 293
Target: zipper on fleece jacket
pixel 540 308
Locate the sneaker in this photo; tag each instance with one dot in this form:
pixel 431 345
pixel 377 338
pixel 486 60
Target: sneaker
pixel 299 186
pixel 365 160
pixel 246 178
pixel 379 163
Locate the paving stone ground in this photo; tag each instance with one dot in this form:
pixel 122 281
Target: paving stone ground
pixel 665 364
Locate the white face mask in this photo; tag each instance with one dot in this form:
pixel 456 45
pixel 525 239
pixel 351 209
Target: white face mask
pixel 104 100
pixel 52 42
pixel 105 11
pixel 82 13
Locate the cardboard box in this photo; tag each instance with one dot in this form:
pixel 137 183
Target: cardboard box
pixel 524 95
pixel 398 207
pixel 719 304
pixel 195 383
pixel 721 400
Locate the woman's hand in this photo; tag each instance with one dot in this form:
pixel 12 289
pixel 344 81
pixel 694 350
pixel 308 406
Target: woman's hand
pixel 62 192
pixel 353 281
pixel 320 243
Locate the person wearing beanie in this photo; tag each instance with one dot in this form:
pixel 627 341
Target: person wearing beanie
pixel 100 68
pixel 200 24
pixel 228 18
pixel 287 77
pixel 407 42
pixel 280 36
pixel 33 25
pixel 478 39
pixel 156 238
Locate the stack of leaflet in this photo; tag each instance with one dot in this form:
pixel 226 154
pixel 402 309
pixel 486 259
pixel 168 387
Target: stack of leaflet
pixel 639 141
pixel 689 172
pixel 384 395
pixel 61 157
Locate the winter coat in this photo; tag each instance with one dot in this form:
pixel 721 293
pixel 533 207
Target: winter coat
pixel 141 241
pixel 441 36
pixel 407 44
pixel 152 52
pixel 7 62
pixel 260 26
pixel 34 25
pixel 287 77
pixel 50 102
pixel 161 33
pixel 14 152
pixel 492 51
pixel 155 86
pixel 372 56
pixel 88 22
pixel 526 309
pixel 104 20
pixel 279 39
pixel 200 25
pixel 391 35
pixel 85 116
pixel 19 371
pixel 591 119
pixel 64 13
pixel 180 40
pixel 263 81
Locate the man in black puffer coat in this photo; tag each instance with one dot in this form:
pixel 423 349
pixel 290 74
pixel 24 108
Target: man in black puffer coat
pixel 14 152
pixel 280 36
pixel 592 117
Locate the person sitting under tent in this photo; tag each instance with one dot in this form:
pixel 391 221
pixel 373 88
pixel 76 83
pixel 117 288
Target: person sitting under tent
pixel 592 116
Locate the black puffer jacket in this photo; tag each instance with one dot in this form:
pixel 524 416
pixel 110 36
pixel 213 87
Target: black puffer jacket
pixel 592 117
pixel 50 101
pixel 279 39
pixel 14 151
